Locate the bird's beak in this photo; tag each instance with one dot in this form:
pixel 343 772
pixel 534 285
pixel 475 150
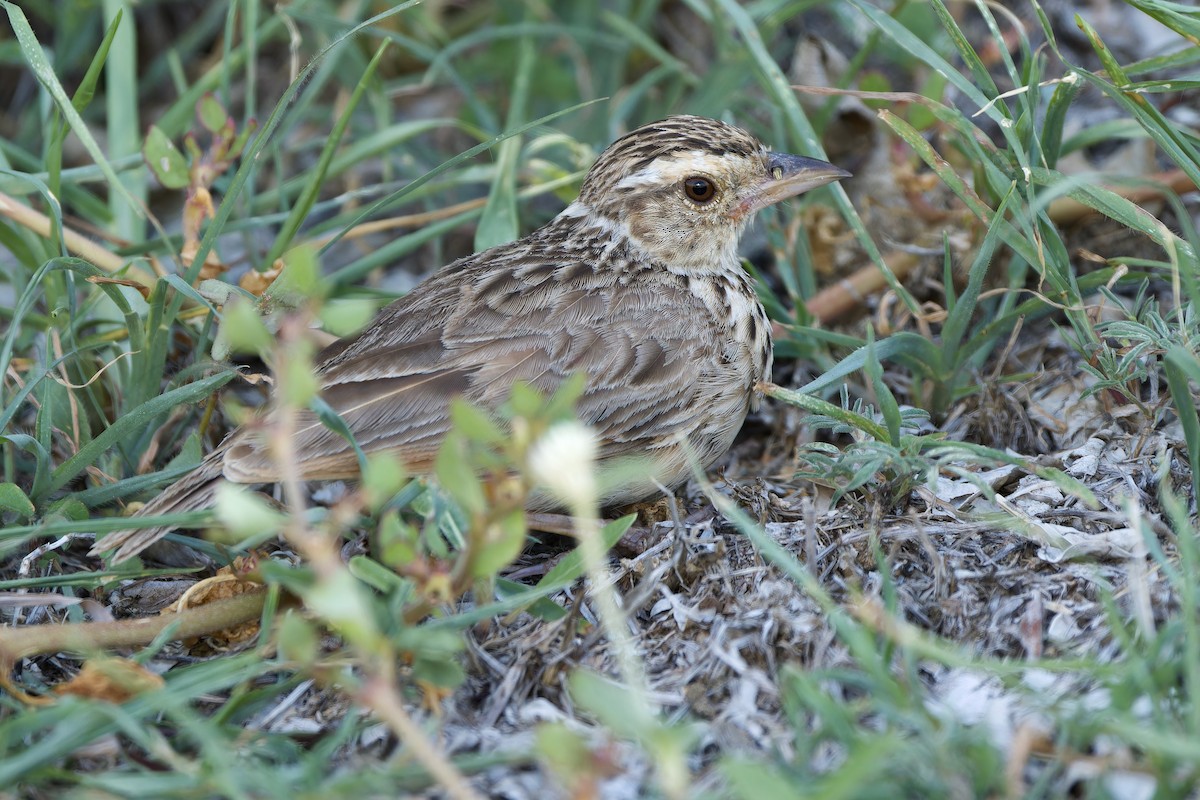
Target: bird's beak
pixel 787 176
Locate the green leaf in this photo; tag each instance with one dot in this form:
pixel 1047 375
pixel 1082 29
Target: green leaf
pixel 570 567
pixel 300 280
pixel 1111 205
pixel 165 160
pixel 382 477
pixel 962 310
pixel 82 97
pixel 498 224
pixel 816 405
pixel 1055 120
pixel 980 75
pixel 211 291
pixel 190 453
pixel 1107 59
pixel 375 575
pixel 246 513
pixel 474 423
pixel 397 540
pixel 445 673
pixel 316 178
pixel 502 542
pixel 108 493
pixel 438 644
pixel 242 329
pixel 924 52
pixel 1179 17
pixel 346 316
pixel 297 639
pixel 296 381
pixel 565 750
pixel 343 602
pixel 751 780
pixel 456 475
pixel 332 420
pixel 888 406
pixel 67 508
pixel 212 114
pixel 524 400
pixel 244 172
pixel 900 344
pixel 13 498
pixel 1175 142
pixel 561 405
pixel 1180 365
pixel 614 705
pixel 543 608
pixel 412 186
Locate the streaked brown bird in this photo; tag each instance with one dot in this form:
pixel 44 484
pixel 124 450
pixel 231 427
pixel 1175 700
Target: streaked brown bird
pixel 637 284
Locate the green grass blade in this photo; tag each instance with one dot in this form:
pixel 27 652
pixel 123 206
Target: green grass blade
pixel 888 407
pixel 963 309
pixel 450 164
pixel 1182 366
pixel 80 101
pixel 123 124
pixel 240 178
pixel 901 344
pixel 798 125
pixel 498 224
pixel 132 422
pixel 31 49
pixel 816 405
pixel 979 73
pixel 1055 120
pixel 316 178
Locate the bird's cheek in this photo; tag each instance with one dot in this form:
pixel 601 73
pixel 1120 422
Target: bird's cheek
pixel 696 242
pixel 743 207
pixel 655 230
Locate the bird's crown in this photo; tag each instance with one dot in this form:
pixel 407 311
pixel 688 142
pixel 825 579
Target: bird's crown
pixel 645 154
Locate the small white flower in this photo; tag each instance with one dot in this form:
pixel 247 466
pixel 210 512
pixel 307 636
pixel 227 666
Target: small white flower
pixel 562 460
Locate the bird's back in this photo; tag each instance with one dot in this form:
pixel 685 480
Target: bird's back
pixel 663 358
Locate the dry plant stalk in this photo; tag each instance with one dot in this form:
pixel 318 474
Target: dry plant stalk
pixel 91 637
pixel 379 689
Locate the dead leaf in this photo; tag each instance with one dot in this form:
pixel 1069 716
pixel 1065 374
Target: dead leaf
pixel 114 680
pixel 143 290
pixel 1118 544
pixel 228 582
pixel 256 282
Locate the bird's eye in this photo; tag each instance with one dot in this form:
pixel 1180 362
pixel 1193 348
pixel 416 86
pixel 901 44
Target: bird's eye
pixel 698 189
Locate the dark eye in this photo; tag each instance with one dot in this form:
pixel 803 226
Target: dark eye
pixel 701 190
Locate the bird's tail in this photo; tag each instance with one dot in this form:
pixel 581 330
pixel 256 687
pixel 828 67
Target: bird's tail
pixel 192 492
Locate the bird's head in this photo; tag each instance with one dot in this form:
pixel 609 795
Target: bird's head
pixel 684 188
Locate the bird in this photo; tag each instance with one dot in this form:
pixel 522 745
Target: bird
pixel 637 284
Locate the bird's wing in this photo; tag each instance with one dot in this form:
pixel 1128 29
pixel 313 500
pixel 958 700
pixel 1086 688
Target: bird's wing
pixel 473 335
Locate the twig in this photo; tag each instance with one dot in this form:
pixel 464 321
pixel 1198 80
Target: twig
pixel 378 693
pixel 836 301
pixel 88 637
pixel 76 243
